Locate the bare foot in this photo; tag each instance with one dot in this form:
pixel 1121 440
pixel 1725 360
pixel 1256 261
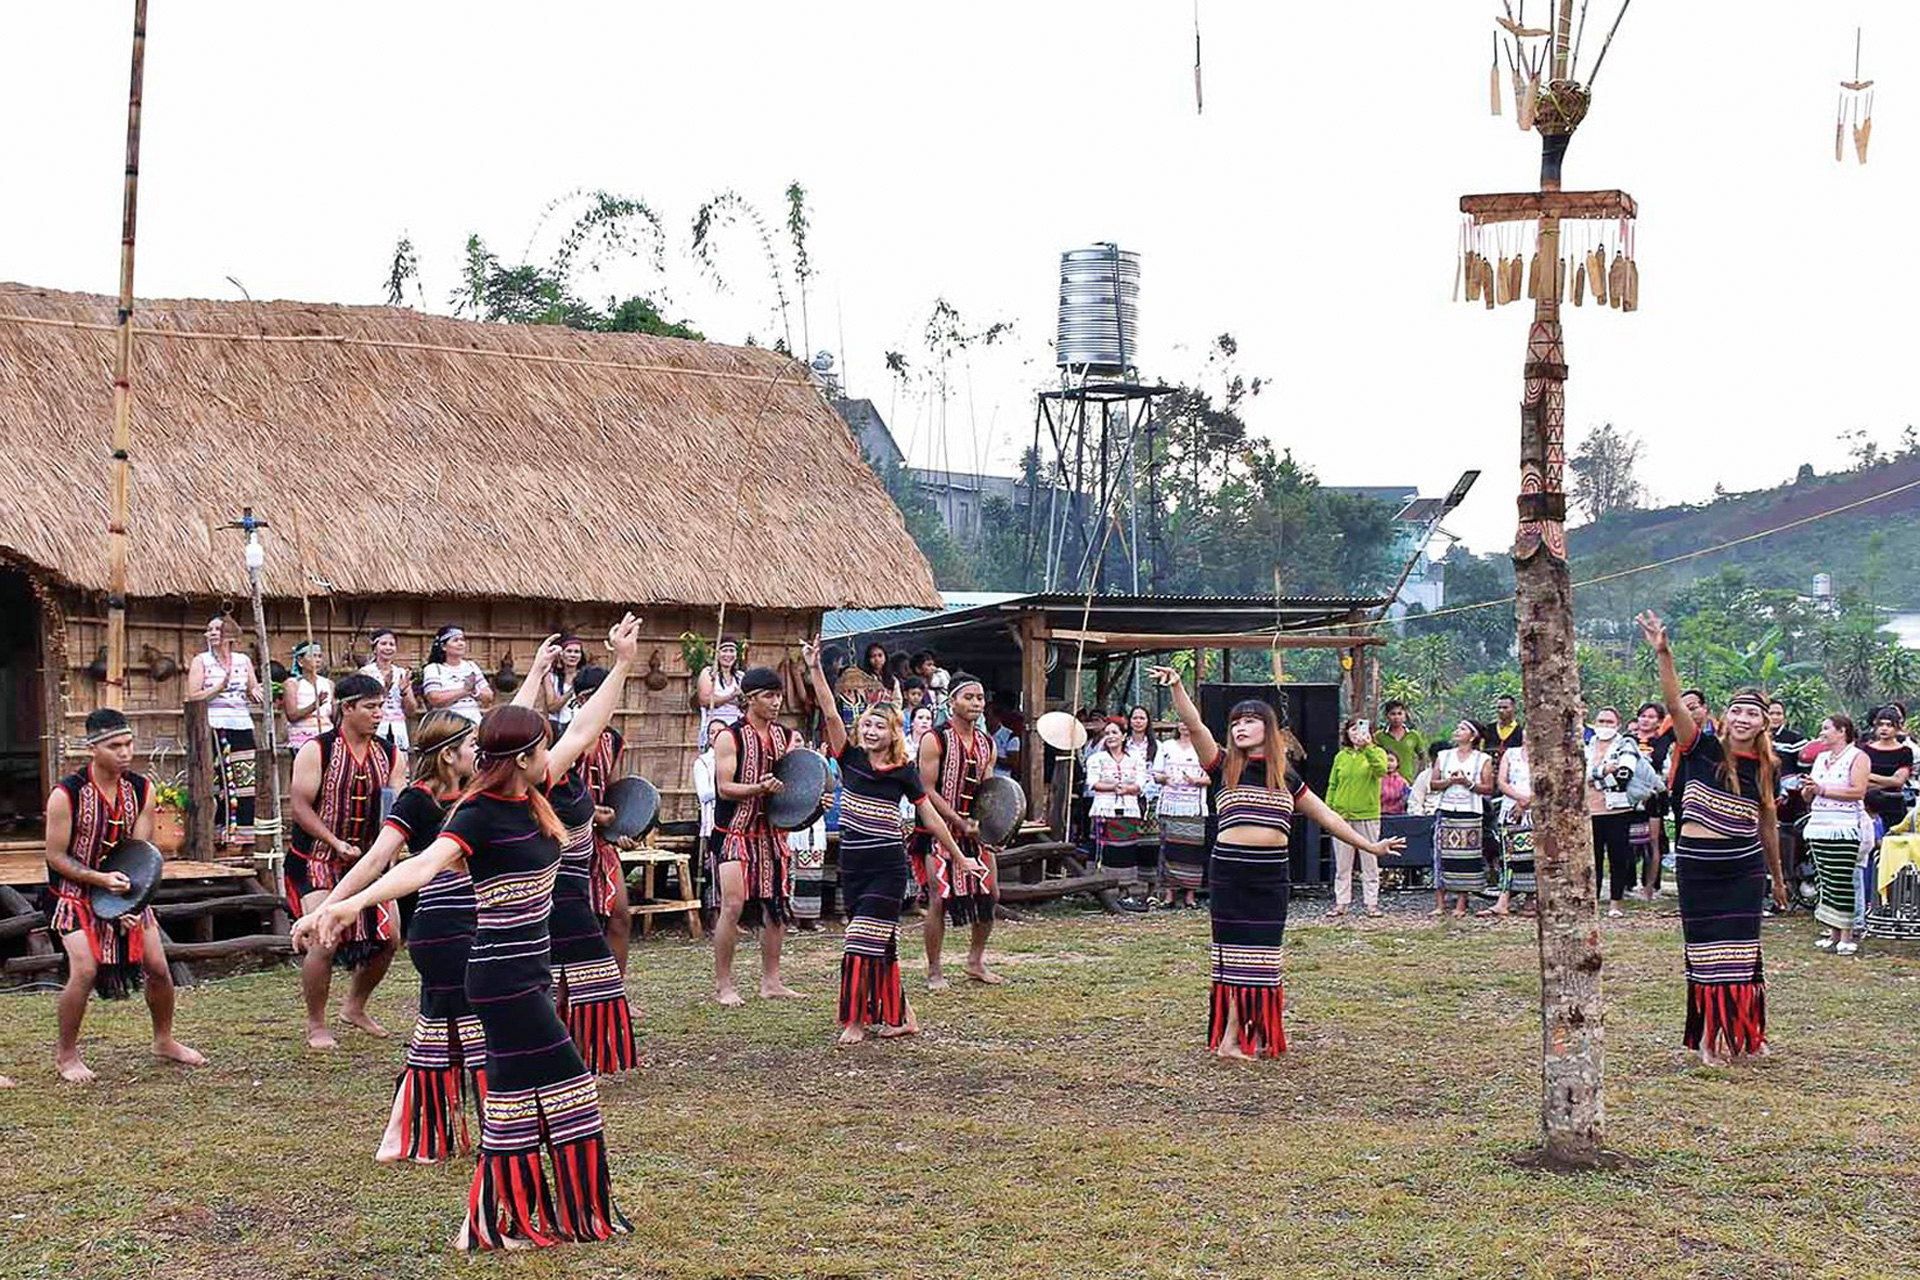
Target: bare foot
pixel 321 1038
pixel 980 973
pixel 728 998
pixel 908 1028
pixel 174 1051
pixel 852 1035
pixel 937 982
pixel 361 1019
pixel 1491 911
pixel 1230 1049
pixel 1336 913
pixel 778 990
pixel 6 1082
pixel 1437 911
pixel 1460 912
pixel 73 1071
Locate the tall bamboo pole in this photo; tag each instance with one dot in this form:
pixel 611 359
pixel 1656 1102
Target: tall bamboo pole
pixel 115 694
pixel 1572 1110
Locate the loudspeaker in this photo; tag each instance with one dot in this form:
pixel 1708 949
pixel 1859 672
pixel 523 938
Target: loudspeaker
pixel 1311 712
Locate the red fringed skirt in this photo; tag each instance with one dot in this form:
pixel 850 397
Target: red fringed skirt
pixel 119 946
pixel 1251 889
pixel 1723 883
pixel 874 880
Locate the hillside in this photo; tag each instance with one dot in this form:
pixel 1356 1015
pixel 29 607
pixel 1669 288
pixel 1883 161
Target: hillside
pixel 1886 571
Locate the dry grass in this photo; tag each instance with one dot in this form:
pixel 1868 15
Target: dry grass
pixel 1065 1125
pixel 386 444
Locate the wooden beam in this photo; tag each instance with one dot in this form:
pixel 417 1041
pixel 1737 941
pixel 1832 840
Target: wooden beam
pixel 1033 703
pixel 1228 640
pixel 1530 206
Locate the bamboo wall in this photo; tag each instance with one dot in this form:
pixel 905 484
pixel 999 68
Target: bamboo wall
pixel 660 728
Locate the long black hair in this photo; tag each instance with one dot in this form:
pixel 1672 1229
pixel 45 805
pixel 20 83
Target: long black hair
pixel 437 655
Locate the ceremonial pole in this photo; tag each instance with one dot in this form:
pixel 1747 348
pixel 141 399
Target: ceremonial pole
pixel 115 693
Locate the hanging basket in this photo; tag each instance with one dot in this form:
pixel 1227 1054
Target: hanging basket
pixel 1561 106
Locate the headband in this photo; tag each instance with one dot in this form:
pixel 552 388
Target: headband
pixel 506 753
pixel 1747 700
pixel 1469 726
pixel 960 680
pixel 760 680
pixel 454 738
pixel 109 733
pixel 448 633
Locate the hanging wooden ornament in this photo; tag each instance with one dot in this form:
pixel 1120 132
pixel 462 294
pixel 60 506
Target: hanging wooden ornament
pixel 1516 281
pixel 1856 98
pixel 1840 132
pixel 1493 77
pixel 1597 275
pixel 1487 288
pixel 1617 282
pixel 1863 132
pixel 1579 285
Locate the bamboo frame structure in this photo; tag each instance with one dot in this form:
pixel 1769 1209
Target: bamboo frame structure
pixel 115 694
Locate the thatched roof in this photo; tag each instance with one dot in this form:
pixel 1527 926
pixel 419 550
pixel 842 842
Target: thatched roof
pixel 391 457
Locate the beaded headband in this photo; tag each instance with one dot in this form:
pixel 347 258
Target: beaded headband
pixel 1747 700
pixel 109 734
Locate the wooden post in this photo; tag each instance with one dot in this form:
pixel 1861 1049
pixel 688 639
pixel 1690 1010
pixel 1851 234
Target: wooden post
pixel 115 693
pixel 201 799
pixel 1572 1016
pixel 1033 704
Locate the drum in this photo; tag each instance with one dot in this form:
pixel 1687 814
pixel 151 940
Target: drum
pixel 803 774
pixel 1059 730
pixel 636 809
pixel 998 806
pixel 140 863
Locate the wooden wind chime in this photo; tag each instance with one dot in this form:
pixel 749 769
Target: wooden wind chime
pixel 1500 253
pixel 1856 105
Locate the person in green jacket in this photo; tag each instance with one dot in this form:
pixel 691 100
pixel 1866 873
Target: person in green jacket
pixel 1353 792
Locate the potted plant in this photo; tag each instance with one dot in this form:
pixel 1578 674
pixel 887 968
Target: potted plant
pixel 169 818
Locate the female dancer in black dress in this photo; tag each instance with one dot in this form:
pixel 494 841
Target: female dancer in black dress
pixel 448 1049
pixel 540 1093
pixel 1728 846
pixel 1255 795
pixel 589 989
pixel 875 776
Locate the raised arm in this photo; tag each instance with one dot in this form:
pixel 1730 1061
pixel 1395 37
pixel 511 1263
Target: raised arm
pixel 823 695
pixel 1205 746
pixel 1655 631
pixel 583 731
pixel 532 691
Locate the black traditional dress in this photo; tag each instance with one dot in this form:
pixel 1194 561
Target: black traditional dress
pixel 448 1048
pixel 349 806
pixel 966 761
pixel 598 769
pixel 100 822
pixel 873 878
pixel 744 833
pixel 590 994
pixel 1251 887
pixel 539 1091
pixel 1723 882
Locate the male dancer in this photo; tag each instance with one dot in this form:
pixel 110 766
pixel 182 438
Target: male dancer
pixel 337 780
pixel 88 815
pixel 752 858
pixel 954 760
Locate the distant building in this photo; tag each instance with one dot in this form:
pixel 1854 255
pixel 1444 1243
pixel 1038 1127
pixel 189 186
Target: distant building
pixel 959 496
pixel 1414 521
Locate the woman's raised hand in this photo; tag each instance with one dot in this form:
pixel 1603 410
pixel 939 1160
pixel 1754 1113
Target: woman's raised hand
pixel 810 653
pixel 1165 677
pixel 543 659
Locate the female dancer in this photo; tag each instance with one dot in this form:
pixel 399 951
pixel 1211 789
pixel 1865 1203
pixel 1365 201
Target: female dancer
pixel 589 988
pixel 395 679
pixel 1727 824
pixel 448 1046
pixel 539 1092
pixel 1183 817
pixel 225 681
pixel 1461 776
pixel 876 775
pixel 1255 793
pixel 1836 824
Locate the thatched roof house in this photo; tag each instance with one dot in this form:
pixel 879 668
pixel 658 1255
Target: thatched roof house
pixel 414 470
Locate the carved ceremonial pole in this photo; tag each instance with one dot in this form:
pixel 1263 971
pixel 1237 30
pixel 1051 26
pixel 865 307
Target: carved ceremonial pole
pixel 1573 1112
pixel 115 693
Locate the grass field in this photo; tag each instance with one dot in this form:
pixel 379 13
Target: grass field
pixel 1067 1124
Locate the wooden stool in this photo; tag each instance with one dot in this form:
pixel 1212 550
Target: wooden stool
pixel 651 859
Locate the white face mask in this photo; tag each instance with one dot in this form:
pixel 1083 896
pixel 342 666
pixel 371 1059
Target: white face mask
pixel 1606 732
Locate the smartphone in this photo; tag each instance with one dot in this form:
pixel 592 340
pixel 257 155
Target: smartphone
pixel 1363 726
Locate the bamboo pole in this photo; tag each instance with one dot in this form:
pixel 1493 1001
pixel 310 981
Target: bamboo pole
pixel 115 694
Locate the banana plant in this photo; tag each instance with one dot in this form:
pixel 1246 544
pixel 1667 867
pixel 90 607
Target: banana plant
pixel 1758 665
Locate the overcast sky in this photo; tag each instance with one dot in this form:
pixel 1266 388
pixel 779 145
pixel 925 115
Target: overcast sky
pixel 953 151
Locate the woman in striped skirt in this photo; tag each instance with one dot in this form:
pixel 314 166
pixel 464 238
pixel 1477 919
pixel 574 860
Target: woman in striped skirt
pixel 447 1053
pixel 540 1094
pixel 1462 778
pixel 1837 822
pixel 1728 847
pixel 876 775
pixel 1515 783
pixel 1256 793
pixel 1183 818
pixel 1117 777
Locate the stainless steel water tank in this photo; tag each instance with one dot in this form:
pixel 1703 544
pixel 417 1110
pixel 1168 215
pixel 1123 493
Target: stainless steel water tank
pixel 1099 309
